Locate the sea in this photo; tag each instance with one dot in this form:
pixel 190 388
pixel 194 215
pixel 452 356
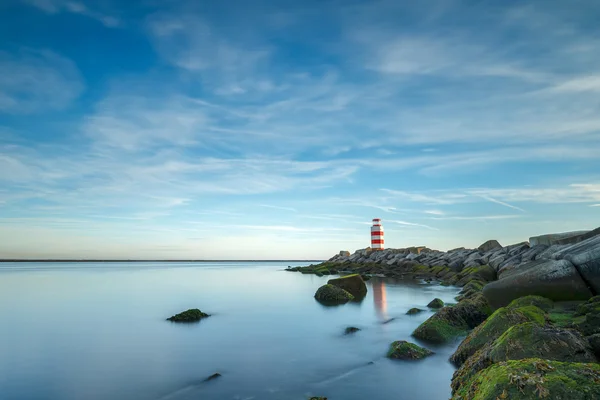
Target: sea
pixel 98 331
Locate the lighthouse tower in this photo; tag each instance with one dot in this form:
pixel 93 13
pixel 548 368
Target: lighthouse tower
pixel 377 235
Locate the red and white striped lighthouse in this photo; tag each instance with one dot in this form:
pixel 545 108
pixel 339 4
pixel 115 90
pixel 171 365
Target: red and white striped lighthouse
pixel 377 235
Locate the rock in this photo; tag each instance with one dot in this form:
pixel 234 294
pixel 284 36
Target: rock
pixel 403 350
pixel 547 254
pixel 435 303
pixel 498 323
pixel 333 294
pixel 345 253
pixel 353 284
pixel 191 315
pixel 489 245
pixel 532 379
pixel 533 252
pixel 496 261
pixel 451 322
pixel 414 311
pixel 538 301
pixel 585 256
pixel 318 398
pixel 595 344
pixel 351 329
pixel 558 238
pixel 556 280
pixel 212 377
pixel 479 273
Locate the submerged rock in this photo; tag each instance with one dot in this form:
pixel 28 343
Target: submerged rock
pixel 351 329
pixel 353 284
pixel 403 350
pixel 435 303
pixel 493 327
pixel 332 294
pixel 532 379
pixel 213 377
pixel 191 315
pixel 414 311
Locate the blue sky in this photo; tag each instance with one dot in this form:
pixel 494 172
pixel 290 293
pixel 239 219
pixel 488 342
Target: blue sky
pixel 279 129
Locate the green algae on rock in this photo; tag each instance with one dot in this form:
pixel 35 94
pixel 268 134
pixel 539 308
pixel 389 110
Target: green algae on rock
pixel 353 284
pixel 403 350
pixel 500 321
pixel 451 322
pixel 414 311
pixel 332 294
pixel 532 300
pixel 191 315
pixel 435 303
pixel 531 379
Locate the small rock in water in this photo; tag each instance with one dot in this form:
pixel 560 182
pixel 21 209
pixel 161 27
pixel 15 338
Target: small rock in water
pixel 436 303
pixel 414 311
pixel 191 315
pixel 351 329
pixel 213 376
pixel 387 321
pixel 318 398
pixel 403 350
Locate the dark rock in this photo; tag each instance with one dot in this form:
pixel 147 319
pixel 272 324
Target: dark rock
pixel 318 398
pixel 585 256
pixel 435 303
pixel 403 350
pixel 414 311
pixel 212 377
pixel 351 329
pixel 489 245
pixel 191 315
pixel 556 280
pixel 332 294
pixel 353 284
pixel 498 323
pixel 595 344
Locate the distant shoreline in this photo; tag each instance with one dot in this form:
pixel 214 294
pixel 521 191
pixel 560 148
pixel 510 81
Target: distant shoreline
pixel 107 261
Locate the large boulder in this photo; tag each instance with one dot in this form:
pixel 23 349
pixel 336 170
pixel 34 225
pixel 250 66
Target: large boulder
pixel 555 279
pixel 585 256
pixel 489 245
pixel 527 340
pixel 498 323
pixel 353 284
pixel 331 294
pixel 557 238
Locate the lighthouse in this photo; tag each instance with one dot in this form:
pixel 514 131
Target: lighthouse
pixel 377 235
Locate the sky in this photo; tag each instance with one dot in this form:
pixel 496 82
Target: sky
pixel 264 129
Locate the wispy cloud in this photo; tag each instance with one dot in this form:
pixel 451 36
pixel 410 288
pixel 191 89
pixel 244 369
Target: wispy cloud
pixel 491 199
pixel 412 224
pixel 279 207
pixel 37 80
pixel 476 218
pixel 434 212
pixel 75 7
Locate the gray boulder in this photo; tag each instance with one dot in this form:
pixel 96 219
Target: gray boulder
pixel 585 256
pixel 559 238
pixel 489 245
pixel 532 253
pixel 557 280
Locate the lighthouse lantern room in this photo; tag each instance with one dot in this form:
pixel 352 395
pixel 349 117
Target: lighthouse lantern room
pixel 377 235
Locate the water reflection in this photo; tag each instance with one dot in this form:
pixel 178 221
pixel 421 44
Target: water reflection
pixel 379 299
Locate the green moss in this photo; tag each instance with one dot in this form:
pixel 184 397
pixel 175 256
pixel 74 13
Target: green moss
pixel 473 286
pixel 533 378
pixel 564 319
pixel 414 311
pixel 191 315
pixel 403 350
pixel 498 323
pixel 332 294
pixel 437 330
pixel 477 273
pixel 592 305
pixel 538 301
pixel 352 283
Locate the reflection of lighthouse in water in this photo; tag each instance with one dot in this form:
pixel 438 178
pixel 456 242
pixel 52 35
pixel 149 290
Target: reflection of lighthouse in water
pixel 379 298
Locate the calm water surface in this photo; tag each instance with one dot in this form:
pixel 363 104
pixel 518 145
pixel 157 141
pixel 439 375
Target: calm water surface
pixel 98 331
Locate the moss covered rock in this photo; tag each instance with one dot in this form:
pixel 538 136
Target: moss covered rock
pixel 528 340
pixel 435 303
pixel 538 301
pixel 414 311
pixel 333 295
pixel 191 315
pixel 353 284
pixel 351 329
pixel 452 322
pixel 477 273
pixel 403 350
pixel 590 306
pixel 500 321
pixel 594 341
pixel 532 379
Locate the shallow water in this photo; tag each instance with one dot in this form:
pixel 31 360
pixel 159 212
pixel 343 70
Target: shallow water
pixel 98 331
